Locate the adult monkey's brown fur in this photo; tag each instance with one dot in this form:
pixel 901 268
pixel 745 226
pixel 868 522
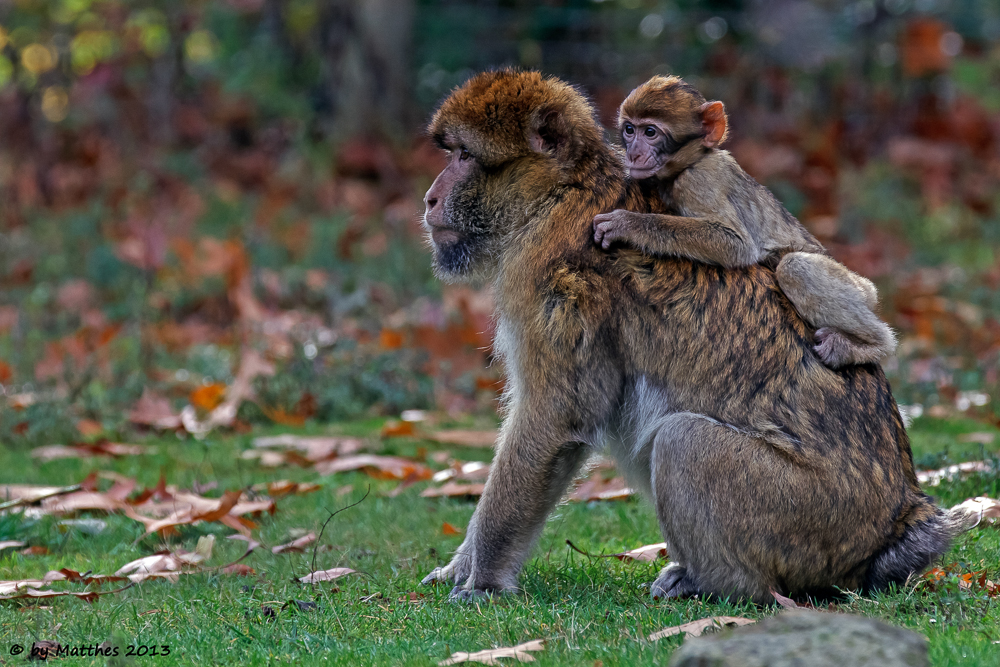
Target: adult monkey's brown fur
pixel 769 471
pixel 722 216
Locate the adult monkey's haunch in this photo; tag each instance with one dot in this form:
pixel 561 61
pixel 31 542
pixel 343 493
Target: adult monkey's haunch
pixel 769 471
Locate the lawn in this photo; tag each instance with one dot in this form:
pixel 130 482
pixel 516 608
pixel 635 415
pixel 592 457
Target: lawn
pixel 590 611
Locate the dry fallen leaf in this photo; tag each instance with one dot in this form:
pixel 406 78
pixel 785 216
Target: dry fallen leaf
pixel 397 429
pixel 490 656
pixel 453 490
pixel 10 544
pixel 787 603
pixel 295 546
pixel 284 487
pixel 379 467
pixel 471 471
pixel 978 437
pixel 82 451
pixel 695 628
pixel 154 411
pixel 484 439
pixel 312 448
pixel 326 575
pixel 448 529
pixel 934 477
pixel 646 554
pixel 597 488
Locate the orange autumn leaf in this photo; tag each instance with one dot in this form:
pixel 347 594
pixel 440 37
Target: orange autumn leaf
pixel 448 529
pixel 6 372
pixel 208 397
pixel 89 428
pixel 283 417
pixel 397 429
pixel 390 340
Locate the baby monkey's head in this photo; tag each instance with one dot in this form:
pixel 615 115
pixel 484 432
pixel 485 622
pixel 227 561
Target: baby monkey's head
pixel 667 125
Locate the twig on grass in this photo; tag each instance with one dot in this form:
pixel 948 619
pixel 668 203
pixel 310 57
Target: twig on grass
pixel 312 567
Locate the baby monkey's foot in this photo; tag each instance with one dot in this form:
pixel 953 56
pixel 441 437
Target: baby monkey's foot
pixel 837 350
pixel 673 582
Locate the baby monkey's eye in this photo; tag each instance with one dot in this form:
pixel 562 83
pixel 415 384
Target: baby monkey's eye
pixel 629 129
pixel 650 132
pixel 464 154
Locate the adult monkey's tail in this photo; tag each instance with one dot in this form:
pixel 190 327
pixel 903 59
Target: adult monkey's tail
pixel 923 542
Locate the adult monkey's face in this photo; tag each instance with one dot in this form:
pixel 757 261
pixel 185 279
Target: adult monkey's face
pixel 512 139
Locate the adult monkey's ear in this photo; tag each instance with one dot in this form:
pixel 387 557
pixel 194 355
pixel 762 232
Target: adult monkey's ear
pixel 550 133
pixel 714 124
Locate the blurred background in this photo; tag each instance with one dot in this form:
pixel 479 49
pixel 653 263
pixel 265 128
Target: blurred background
pixel 210 205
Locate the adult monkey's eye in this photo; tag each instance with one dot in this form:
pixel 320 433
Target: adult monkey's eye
pixel 629 129
pixel 650 132
pixel 464 154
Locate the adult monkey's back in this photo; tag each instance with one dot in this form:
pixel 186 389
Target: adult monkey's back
pixel 769 471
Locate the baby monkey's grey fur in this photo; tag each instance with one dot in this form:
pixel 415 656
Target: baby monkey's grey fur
pixel 724 217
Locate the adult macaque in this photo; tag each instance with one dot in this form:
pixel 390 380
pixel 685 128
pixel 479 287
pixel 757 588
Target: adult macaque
pixel 720 215
pixel 769 471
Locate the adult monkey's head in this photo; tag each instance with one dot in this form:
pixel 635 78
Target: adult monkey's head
pixel 513 140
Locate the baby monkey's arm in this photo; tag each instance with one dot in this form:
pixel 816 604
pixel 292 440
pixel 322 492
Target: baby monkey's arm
pixel 713 240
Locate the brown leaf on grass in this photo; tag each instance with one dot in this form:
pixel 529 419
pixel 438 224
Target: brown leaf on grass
pixel 87 596
pixel 284 487
pixel 696 628
pixel 82 500
pixel 11 544
pixel 168 564
pixel 471 471
pixel 300 450
pixel 82 451
pixel 491 656
pixel 154 411
pixel 30 493
pixel 597 488
pixel 295 546
pixel 448 529
pixel 967 581
pixel 934 477
pixel 465 438
pixel 398 429
pixel 89 428
pixel 36 550
pixel 184 507
pixel 207 397
pixel 326 575
pixel 454 490
pixel 978 437
pixel 379 467
pixel 239 569
pixel 788 603
pixel 645 554
pixel 252 365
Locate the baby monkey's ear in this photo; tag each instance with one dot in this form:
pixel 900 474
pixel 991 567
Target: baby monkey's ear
pixel 714 123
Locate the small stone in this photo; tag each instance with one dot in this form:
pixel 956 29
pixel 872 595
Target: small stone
pixel 817 639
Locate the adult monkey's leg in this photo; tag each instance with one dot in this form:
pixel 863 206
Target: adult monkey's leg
pixel 724 532
pixel 533 466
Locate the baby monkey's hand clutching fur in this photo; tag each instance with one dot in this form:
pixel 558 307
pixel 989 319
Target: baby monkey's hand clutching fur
pixel 723 216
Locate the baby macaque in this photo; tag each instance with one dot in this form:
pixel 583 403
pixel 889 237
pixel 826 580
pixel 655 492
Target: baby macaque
pixel 723 216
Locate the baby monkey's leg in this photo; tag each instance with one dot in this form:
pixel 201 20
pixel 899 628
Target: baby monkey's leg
pixel 840 304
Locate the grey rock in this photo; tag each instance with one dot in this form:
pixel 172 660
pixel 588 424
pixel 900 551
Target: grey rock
pixel 807 639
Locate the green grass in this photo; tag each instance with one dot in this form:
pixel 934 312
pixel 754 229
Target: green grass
pixel 589 610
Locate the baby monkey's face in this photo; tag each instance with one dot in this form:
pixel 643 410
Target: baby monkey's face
pixel 648 146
